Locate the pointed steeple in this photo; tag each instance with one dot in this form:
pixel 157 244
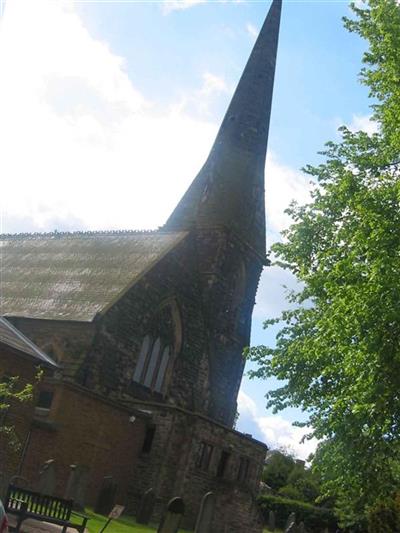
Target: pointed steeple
pixel 229 189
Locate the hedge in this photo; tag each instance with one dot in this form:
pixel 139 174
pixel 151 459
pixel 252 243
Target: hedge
pixel 314 518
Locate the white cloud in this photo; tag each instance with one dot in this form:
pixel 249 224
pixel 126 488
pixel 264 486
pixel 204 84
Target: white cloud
pixel 277 432
pixel 179 5
pixel 252 30
pixel 282 185
pixel 78 139
pixel 280 433
pixel 363 123
pixel 247 406
pixel 199 102
pixel 213 84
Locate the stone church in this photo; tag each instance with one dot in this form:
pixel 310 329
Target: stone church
pixel 140 334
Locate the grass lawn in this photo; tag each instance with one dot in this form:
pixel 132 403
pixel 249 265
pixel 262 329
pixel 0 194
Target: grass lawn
pixel 125 524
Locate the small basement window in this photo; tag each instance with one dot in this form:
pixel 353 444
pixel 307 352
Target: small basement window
pixel 45 399
pixel 148 439
pixel 223 463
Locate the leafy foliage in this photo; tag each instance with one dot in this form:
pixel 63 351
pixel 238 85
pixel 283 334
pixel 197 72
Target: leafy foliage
pixel 11 394
pixel 289 478
pixel 315 518
pixel 277 469
pixel 338 351
pixel 384 516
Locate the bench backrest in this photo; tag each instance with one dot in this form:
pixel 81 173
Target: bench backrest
pixel 37 503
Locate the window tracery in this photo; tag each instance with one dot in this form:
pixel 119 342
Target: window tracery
pixel 158 348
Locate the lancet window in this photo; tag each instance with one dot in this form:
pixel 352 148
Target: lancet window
pixel 152 363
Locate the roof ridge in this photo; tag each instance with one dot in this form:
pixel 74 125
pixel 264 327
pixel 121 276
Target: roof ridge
pixel 81 233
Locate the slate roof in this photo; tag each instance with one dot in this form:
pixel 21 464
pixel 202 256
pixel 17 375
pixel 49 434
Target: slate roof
pixel 11 336
pixel 73 276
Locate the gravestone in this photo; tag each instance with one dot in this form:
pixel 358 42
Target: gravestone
pixel 146 507
pixel 47 478
pixel 271 521
pixel 20 482
pixel 291 520
pixel 173 516
pixel 204 519
pixel 301 528
pixel 292 528
pixel 106 498
pixel 76 486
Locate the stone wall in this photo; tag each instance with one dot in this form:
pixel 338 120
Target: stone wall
pixel 230 272
pixel 122 328
pixel 173 467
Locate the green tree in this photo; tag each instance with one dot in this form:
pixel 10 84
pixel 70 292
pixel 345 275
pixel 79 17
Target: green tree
pixel 277 469
pixel 338 349
pixel 11 394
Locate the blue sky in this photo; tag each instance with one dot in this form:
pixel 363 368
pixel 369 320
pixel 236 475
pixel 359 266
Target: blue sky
pixel 108 110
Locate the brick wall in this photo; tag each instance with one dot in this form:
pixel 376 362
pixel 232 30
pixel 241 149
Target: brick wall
pixel 82 428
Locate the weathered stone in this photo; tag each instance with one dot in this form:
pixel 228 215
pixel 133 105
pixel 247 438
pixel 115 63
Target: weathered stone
pixel 106 497
pixel 173 516
pixel 47 478
pixel 291 520
pixel 19 481
pixel 76 486
pixel 206 513
pixel 146 508
pixel 301 528
pixel 271 521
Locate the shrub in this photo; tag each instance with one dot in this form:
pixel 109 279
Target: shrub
pixel 288 491
pixel 314 518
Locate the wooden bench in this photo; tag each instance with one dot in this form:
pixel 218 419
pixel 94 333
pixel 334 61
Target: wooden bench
pixel 25 504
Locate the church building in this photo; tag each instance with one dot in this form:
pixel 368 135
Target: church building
pixel 141 333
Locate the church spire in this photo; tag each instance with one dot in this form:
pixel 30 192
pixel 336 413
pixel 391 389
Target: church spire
pixel 229 189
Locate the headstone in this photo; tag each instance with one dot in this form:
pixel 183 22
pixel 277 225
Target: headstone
pixel 76 486
pixel 47 478
pixel 292 528
pixel 291 520
pixel 106 498
pixel 204 519
pixel 20 482
pixel 301 528
pixel 146 507
pixel 172 518
pixel 271 521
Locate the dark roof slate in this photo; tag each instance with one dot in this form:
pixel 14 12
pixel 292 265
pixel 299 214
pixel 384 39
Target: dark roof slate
pixel 11 336
pixel 73 276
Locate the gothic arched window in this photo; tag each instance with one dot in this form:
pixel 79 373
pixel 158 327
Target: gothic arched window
pixel 152 364
pixel 140 365
pixel 162 369
pixel 159 348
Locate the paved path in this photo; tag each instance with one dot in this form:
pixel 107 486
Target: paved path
pixel 36 526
